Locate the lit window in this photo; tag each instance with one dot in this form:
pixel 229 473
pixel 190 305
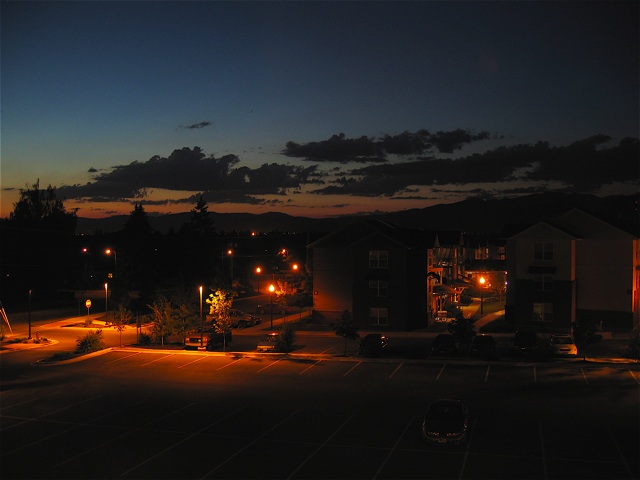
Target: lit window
pixel 378 316
pixel 378 259
pixel 378 288
pixel 543 251
pixel 543 312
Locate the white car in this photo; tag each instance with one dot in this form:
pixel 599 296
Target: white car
pixel 562 345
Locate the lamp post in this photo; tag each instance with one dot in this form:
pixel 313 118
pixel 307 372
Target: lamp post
pixel 201 319
pixel 258 272
pixel 109 251
pixel 271 290
pixel 230 253
pixel 29 314
pixel 106 297
pixel 482 281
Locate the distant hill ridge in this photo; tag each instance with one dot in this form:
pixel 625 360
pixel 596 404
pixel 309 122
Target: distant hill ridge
pixel 493 216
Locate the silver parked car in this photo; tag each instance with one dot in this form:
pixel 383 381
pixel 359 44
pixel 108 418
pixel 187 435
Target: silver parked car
pixel 562 345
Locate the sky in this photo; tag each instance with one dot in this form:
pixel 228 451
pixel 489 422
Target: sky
pixel 316 108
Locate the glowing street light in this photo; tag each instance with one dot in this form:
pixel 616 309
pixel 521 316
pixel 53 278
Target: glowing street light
pixel 482 282
pixel 109 251
pixel 106 297
pixel 271 290
pixel 258 272
pixel 201 319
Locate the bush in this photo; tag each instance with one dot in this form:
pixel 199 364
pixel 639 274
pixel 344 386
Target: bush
pixel 91 342
pixel 285 339
pixel 144 339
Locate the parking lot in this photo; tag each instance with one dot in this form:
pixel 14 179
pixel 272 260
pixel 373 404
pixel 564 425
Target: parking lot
pixel 136 414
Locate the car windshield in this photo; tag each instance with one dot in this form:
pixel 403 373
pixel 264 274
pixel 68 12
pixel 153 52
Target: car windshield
pixel 562 340
pixel 445 412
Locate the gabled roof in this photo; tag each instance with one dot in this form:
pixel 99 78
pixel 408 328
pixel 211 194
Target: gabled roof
pixel 577 224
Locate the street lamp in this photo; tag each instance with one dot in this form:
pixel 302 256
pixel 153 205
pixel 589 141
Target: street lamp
pixel 482 282
pixel 201 319
pixel 258 272
pixel 271 290
pixel 106 297
pixel 109 251
pixel 230 253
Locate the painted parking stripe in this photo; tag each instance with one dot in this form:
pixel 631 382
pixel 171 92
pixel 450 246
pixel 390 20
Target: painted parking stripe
pixel 584 376
pixel 193 361
pixel 633 375
pixel 122 358
pixel 395 446
pixel 440 373
pixel 267 366
pixel 229 364
pixel 157 359
pixel 352 368
pixel 397 368
pixel 310 367
pixel 486 375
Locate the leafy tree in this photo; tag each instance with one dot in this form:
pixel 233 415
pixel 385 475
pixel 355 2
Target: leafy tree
pixel 42 210
pixel 344 327
pixel 120 319
pixel 164 321
pixel 220 302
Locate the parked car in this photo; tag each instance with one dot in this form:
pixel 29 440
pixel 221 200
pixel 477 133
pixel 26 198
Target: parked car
pixel 524 342
pixel 269 342
pixel 445 422
pixel 210 340
pixel 242 319
pixel 444 344
pixel 373 345
pixel 562 345
pixel 484 346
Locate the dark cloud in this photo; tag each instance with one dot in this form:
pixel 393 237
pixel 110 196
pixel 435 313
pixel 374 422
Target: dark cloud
pixel 198 125
pixel 371 150
pixel 584 166
pixel 191 170
pixel 579 166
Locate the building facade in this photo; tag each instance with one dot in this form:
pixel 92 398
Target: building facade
pixel 573 269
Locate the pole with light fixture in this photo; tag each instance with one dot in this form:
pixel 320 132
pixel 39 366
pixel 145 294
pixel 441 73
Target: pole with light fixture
pixel 271 290
pixel 482 282
pixel 201 320
pixel 106 297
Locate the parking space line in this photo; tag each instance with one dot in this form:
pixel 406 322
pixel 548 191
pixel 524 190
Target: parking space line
pixel 267 366
pixel 544 453
pixel 440 373
pixel 486 375
pixel 633 375
pixel 352 368
pixel 193 361
pixel 228 364
pixel 395 445
pixel 584 375
pixel 179 442
pixel 255 440
pixel 397 368
pixel 327 350
pixel 157 359
pixel 310 367
pixel 320 447
pixel 624 460
pixel 122 358
pixel 128 432
pixel 3 407
pixel 466 450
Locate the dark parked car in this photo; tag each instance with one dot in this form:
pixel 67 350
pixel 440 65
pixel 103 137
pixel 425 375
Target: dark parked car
pixel 444 344
pixel 445 422
pixel 269 307
pixel 269 342
pixel 242 319
pixel 373 344
pixel 210 340
pixel 524 342
pixel 484 346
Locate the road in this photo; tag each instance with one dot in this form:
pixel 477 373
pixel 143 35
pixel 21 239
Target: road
pixel 182 415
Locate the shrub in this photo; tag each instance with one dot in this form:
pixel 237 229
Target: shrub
pixel 91 342
pixel 144 339
pixel 285 339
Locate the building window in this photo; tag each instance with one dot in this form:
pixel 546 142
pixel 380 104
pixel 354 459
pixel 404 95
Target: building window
pixel 543 283
pixel 378 259
pixel 543 312
pixel 543 251
pixel 378 288
pixel 378 316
